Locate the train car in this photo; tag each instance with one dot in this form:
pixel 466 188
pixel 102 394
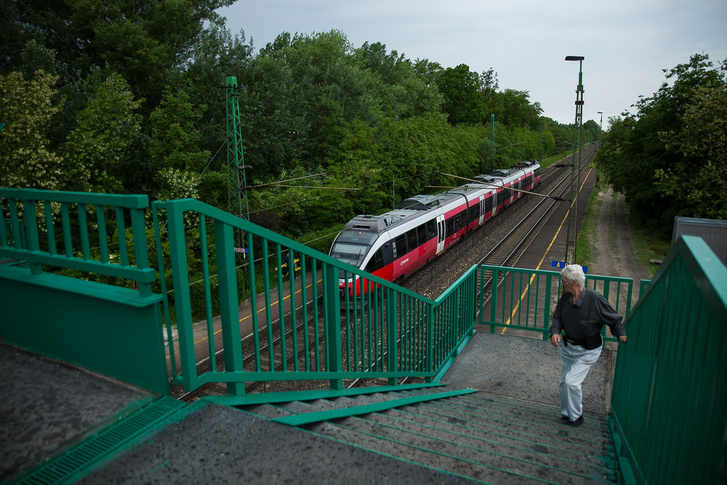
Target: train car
pixel 395 244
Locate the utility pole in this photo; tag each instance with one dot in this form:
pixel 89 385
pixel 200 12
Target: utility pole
pixel 236 179
pixel 571 248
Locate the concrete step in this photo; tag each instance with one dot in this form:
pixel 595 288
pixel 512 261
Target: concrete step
pixel 477 436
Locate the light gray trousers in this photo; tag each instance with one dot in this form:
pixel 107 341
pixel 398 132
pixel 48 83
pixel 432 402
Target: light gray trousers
pixel 575 364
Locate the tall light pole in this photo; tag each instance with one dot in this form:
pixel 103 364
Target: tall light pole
pixel 601 113
pixel 571 247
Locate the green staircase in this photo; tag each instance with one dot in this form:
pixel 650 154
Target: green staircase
pixel 472 435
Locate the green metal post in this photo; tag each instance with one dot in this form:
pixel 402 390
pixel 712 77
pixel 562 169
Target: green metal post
pixel 229 307
pixel 391 333
pixel 332 323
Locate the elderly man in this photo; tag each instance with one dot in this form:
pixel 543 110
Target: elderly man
pixel 581 313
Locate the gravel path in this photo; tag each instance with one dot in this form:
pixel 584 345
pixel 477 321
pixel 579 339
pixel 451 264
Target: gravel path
pixel 613 253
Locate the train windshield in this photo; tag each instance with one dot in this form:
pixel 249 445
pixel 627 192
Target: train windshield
pixel 351 246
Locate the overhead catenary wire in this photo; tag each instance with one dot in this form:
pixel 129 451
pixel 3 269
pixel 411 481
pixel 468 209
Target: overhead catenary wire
pixel 480 182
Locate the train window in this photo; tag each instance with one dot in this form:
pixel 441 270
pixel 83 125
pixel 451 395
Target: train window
pixel 488 204
pixel 474 213
pixel 400 246
pixel 422 234
pixel 431 229
pixel 377 261
pixel 411 237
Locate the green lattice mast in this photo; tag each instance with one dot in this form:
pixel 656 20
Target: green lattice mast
pixel 236 184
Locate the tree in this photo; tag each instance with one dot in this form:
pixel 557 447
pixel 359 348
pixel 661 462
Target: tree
pixel 27 108
pixel 658 157
pixel 99 149
pixel 176 159
pixel 463 102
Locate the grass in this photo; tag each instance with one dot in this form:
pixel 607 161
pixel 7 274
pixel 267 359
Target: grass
pixel 647 246
pixel 586 238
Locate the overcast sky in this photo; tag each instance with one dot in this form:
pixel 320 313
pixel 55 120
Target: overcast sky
pixel 626 43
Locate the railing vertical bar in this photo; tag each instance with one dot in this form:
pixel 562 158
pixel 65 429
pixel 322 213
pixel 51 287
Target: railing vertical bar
pixel 356 323
pixel 369 324
pixel 347 323
pixel 229 306
pixel 304 297
pixel 182 301
pixel 163 286
pixel 253 301
pixel 207 292
pixel 83 229
pixel 141 255
pixel 4 239
pixel 391 334
pixel 102 235
pixel 49 227
pixel 317 347
pixel 281 309
pixel 493 299
pixel 429 341
pixel 268 308
pixel 538 279
pixel 66 225
pixel 293 310
pixel 121 233
pixel 519 302
pixel 332 323
pixel 31 227
pixel 546 306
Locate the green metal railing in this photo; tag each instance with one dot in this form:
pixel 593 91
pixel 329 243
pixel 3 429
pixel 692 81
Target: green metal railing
pixel 300 326
pixel 669 405
pixel 77 231
pixel 523 299
pixel 258 324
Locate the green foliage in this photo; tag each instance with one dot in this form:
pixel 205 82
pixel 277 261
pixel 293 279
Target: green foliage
pixel 145 111
pixel 669 158
pixel 27 108
pixel 96 150
pixel 463 102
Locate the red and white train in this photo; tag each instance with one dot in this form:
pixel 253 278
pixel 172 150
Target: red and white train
pixel 395 244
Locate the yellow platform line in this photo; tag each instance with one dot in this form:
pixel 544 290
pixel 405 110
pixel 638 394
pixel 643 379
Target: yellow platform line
pixel 527 287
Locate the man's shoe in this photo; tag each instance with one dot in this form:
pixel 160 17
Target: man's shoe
pixel 564 418
pixel 575 423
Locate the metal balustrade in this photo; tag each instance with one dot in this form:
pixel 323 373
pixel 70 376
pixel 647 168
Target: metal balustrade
pixel 246 321
pixel 299 326
pixel 669 404
pixel 523 299
pixel 78 231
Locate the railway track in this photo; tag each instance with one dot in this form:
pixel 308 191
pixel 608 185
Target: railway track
pixel 503 239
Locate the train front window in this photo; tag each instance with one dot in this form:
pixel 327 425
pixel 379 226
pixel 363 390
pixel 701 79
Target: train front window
pixel 351 246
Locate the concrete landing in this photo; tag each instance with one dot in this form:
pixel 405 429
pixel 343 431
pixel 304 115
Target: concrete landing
pixel 48 406
pixel 527 369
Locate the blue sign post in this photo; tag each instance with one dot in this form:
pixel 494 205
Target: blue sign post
pixel 563 264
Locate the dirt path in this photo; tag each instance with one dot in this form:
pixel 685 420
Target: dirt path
pixel 613 253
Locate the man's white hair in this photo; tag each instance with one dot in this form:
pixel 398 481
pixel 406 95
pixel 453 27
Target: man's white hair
pixel 573 273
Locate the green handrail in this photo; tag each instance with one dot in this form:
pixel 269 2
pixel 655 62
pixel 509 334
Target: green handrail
pixel 70 230
pixel 523 298
pixel 303 325
pixel 669 404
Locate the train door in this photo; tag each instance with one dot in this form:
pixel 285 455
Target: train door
pixel 482 210
pixel 441 234
pixel 494 202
